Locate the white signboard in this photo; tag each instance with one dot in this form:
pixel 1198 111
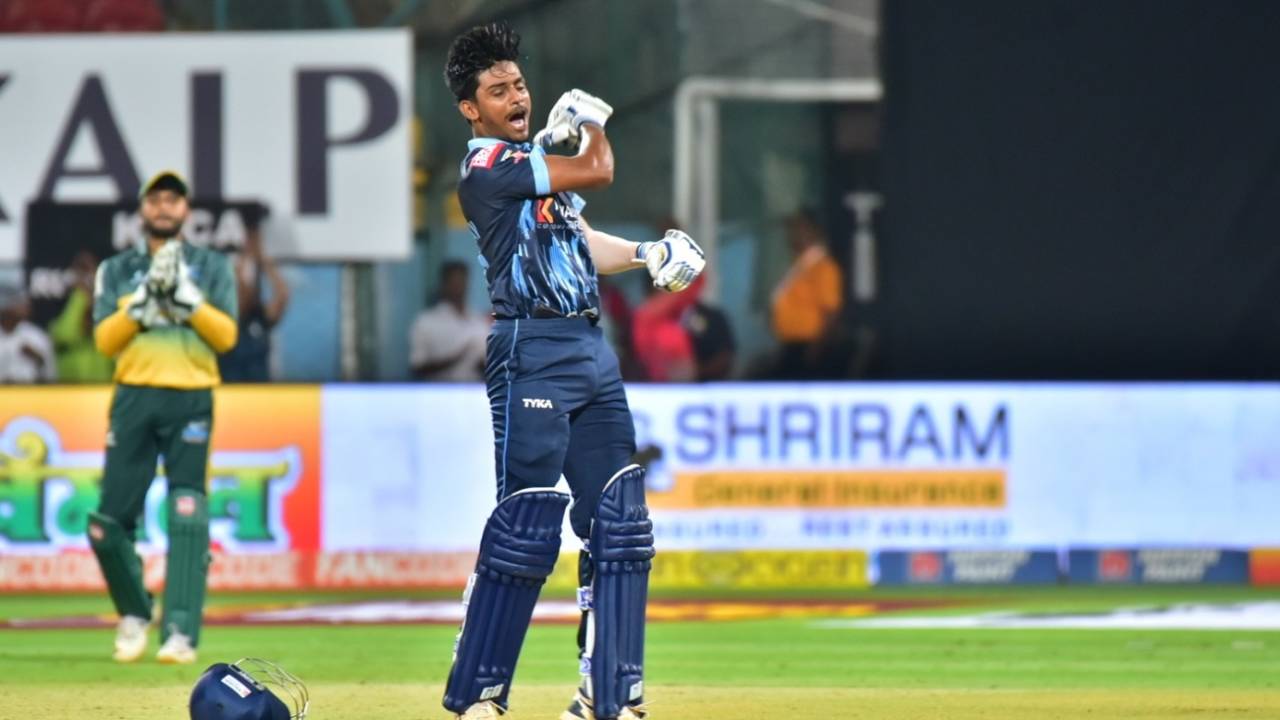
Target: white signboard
pixel 847 466
pixel 316 125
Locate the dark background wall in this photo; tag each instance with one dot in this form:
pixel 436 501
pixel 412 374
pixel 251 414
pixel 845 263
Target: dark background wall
pixel 1081 190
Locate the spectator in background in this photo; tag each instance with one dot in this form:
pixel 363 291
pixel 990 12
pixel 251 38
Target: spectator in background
pixel 708 329
pixel 806 304
pixel 662 346
pixel 26 354
pixel 72 330
pixel 249 360
pixel 447 342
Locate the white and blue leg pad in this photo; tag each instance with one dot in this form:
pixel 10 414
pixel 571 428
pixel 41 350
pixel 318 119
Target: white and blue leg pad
pixel 517 552
pixel 621 547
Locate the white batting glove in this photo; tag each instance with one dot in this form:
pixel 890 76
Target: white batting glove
pixel 186 295
pixel 674 262
pixel 560 130
pixel 559 134
pixel 583 108
pixel 162 276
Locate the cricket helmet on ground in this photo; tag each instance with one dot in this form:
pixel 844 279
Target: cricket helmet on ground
pixel 248 689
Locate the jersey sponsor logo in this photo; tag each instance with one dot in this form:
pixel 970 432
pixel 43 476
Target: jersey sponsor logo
pixel 538 403
pixel 547 208
pixel 514 155
pixel 485 157
pixel 544 210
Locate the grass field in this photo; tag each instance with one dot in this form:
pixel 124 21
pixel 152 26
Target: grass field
pixel 778 668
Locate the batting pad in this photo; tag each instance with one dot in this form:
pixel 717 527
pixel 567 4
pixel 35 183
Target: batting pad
pixel 518 551
pixel 121 566
pixel 622 549
pixel 188 564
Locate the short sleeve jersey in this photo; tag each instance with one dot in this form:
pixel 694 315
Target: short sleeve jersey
pixel 532 246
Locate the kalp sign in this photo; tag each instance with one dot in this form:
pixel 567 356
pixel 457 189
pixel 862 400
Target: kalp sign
pixel 315 125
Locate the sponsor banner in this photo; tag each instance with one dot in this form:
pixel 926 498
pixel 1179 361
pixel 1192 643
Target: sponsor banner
pixel 314 124
pixel 740 570
pixel 1264 566
pixel 264 483
pixel 78 571
pixel 843 465
pixel 835 489
pixel 967 567
pixel 1182 616
pixel 389 482
pixel 57 233
pixel 372 569
pixel 1158 566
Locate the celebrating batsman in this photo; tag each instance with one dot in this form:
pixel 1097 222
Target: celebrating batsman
pixel 555 393
pixel 162 309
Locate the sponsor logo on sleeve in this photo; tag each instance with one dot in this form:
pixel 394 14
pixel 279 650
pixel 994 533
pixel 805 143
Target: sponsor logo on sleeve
pixel 485 157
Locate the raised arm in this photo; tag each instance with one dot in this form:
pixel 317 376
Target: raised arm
pixel 591 168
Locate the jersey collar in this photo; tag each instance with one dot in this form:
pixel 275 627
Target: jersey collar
pixel 477 143
pixel 480 142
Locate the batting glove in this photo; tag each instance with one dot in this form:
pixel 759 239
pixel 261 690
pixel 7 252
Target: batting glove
pixel 674 262
pixel 186 295
pixel 583 108
pixel 559 129
pixel 558 134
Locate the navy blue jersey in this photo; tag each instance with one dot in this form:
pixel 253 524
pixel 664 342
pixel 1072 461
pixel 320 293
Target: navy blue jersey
pixel 531 244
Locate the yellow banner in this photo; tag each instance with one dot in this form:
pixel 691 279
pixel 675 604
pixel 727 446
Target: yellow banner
pixel 740 570
pixel 834 489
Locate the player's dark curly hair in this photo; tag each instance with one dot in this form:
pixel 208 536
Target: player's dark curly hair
pixel 475 51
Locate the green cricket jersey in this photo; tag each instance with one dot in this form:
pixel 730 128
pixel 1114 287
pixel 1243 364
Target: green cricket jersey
pixel 179 356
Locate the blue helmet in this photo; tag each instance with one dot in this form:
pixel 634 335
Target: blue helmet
pixel 239 691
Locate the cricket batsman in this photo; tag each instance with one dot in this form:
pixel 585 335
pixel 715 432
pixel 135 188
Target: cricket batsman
pixel 162 309
pixel 555 393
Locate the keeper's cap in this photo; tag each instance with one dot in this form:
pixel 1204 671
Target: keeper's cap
pixel 165 180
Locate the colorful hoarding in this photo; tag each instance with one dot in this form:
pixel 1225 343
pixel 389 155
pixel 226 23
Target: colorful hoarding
pixel 389 486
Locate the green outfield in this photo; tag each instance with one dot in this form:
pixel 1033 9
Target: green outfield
pixel 791 667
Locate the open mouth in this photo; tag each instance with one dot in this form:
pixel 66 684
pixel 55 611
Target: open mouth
pixel 519 119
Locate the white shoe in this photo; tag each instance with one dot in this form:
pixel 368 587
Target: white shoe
pixel 131 639
pixel 486 710
pixel 176 650
pixel 580 709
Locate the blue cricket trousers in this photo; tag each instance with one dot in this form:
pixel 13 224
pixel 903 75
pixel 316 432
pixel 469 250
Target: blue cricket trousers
pixel 558 407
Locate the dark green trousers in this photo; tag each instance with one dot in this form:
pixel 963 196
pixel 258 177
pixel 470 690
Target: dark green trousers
pixel 148 422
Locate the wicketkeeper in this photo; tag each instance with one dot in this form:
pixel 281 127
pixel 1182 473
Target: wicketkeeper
pixel 163 310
